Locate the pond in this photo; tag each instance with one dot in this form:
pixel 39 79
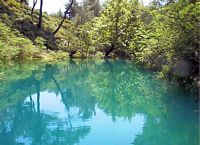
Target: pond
pixel 93 103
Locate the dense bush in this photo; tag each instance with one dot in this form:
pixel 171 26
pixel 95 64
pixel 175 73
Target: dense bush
pixel 14 47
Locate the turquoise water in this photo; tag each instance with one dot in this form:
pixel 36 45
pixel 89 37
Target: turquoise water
pixel 93 103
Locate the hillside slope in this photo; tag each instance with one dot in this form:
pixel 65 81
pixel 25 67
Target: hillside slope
pixel 20 36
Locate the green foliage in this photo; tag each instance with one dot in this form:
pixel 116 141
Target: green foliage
pixel 116 24
pixel 172 35
pixel 60 55
pixel 85 11
pixel 99 55
pixel 12 47
pixel 157 37
pixel 40 42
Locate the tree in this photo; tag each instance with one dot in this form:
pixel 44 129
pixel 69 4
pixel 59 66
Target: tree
pixel 64 17
pixel 32 10
pixel 40 15
pixel 85 11
pixel 73 10
pixel 117 24
pixel 59 13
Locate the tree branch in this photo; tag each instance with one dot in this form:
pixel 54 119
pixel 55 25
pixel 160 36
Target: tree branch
pixel 64 17
pixel 34 4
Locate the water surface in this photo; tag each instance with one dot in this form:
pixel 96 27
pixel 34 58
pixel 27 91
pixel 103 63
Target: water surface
pixel 93 103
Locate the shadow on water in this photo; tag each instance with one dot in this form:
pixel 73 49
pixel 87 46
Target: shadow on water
pixel 85 102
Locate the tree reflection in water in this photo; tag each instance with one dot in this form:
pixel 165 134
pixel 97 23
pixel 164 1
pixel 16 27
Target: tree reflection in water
pixel 57 103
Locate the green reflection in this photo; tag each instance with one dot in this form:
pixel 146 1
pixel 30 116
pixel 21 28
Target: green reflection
pixel 120 89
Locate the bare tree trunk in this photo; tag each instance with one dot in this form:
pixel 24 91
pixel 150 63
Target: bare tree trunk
pixel 64 17
pixel 40 15
pixel 34 4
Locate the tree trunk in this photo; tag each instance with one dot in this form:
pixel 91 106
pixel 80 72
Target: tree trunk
pixel 109 50
pixel 34 4
pixel 71 54
pixel 64 17
pixel 116 35
pixel 40 15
